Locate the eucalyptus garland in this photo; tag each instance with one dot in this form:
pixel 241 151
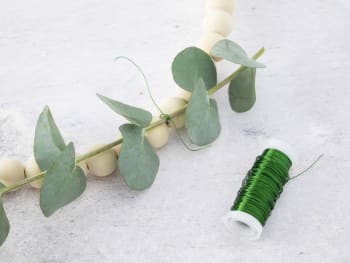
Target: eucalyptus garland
pixel 194 71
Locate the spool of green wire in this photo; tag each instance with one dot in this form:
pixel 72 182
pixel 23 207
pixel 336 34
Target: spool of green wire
pixel 260 190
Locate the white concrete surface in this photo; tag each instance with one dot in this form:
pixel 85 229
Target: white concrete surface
pixel 61 53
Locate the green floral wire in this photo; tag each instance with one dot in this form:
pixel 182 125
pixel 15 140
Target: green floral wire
pixel 264 184
pixel 163 115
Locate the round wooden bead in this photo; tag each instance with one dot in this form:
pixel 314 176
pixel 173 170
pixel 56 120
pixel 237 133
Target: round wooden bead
pixel 208 40
pixel 31 168
pixel 11 171
pixel 82 165
pixel 117 149
pixel 102 164
pixel 184 94
pixel 171 105
pixel 158 136
pixel 219 22
pixel 224 5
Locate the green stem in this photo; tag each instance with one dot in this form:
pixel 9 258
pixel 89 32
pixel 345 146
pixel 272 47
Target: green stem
pixel 21 183
pixel 154 124
pixel 234 74
pixel 98 150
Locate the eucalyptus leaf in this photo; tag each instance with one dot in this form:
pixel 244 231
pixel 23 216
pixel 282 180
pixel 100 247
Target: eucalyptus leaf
pixel 202 117
pixel 138 163
pixel 234 53
pixel 4 222
pixel 63 183
pixel 48 141
pixel 241 91
pixel 192 62
pixel 137 116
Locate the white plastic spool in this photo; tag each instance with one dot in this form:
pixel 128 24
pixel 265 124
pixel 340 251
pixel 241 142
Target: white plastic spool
pixel 244 224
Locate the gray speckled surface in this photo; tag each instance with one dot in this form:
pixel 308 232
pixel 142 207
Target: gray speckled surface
pixel 61 53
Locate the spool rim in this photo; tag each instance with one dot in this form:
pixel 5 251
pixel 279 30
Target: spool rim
pixel 246 224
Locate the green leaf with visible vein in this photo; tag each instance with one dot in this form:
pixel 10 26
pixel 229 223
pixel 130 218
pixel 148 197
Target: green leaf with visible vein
pixel 193 63
pixel 4 222
pixel 48 141
pixel 202 117
pixel 234 53
pixel 63 183
pixel 138 163
pixel 241 91
pixel 137 116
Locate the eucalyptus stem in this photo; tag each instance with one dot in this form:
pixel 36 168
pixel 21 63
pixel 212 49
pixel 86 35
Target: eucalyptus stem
pixel 101 149
pixel 21 183
pixel 154 124
pixel 234 74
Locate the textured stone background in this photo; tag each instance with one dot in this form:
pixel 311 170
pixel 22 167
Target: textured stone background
pixel 61 53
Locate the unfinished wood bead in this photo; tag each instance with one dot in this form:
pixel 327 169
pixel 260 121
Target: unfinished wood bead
pixel 82 164
pixel 184 94
pixel 207 42
pixel 218 21
pixel 171 105
pixel 224 5
pixel 158 136
pixel 11 171
pixel 31 169
pixel 117 149
pixel 103 164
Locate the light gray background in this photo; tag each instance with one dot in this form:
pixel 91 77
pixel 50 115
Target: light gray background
pixel 61 53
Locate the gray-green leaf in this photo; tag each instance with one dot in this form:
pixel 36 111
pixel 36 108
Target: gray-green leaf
pixel 234 53
pixel 137 116
pixel 242 91
pixel 192 62
pixel 48 141
pixel 4 222
pixel 138 163
pixel 64 182
pixel 202 117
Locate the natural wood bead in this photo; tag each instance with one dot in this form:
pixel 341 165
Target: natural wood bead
pixel 219 22
pixel 171 105
pixel 11 171
pixel 117 149
pixel 31 169
pixel 82 165
pixel 224 5
pixel 207 42
pixel 103 164
pixel 184 94
pixel 158 136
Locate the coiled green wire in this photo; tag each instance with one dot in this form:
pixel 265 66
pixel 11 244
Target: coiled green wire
pixel 263 185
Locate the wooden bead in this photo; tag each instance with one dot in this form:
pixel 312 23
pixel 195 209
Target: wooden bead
pixel 82 165
pixel 207 42
pixel 184 94
pixel 31 169
pixel 103 164
pixel 224 5
pixel 11 171
pixel 158 136
pixel 219 22
pixel 171 105
pixel 117 149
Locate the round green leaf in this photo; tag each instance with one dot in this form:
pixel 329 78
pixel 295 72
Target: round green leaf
pixel 63 183
pixel 4 222
pixel 241 91
pixel 138 163
pixel 234 53
pixel 137 116
pixel 192 62
pixel 202 117
pixel 48 141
